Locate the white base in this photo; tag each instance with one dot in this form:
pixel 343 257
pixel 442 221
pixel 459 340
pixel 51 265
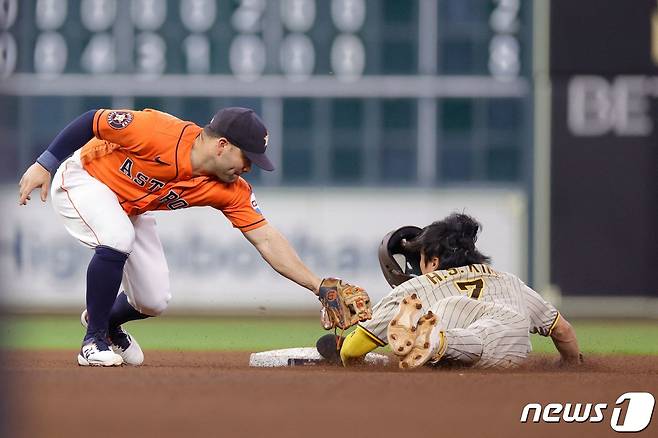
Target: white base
pixel 301 356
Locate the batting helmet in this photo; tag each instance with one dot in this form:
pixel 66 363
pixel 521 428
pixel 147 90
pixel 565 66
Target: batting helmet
pixel 398 263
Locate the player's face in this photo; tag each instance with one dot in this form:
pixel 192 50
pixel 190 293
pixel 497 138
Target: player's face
pixel 232 163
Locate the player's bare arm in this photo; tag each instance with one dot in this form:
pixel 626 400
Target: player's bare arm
pixel 281 256
pixel 35 176
pixel 564 338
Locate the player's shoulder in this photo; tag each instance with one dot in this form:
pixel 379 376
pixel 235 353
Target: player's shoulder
pixel 159 114
pixel 239 185
pixel 413 284
pixel 505 274
pixel 165 120
pixel 119 119
pixel 236 195
pixel 244 193
pixel 237 192
pixel 243 184
pixel 486 270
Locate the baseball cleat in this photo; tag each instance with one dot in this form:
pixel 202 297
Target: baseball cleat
pixel 126 346
pixel 401 331
pixel 95 351
pixel 84 318
pixel 429 344
pixel 121 343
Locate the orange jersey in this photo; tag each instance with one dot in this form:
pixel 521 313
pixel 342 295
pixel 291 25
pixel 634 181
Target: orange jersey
pixel 144 158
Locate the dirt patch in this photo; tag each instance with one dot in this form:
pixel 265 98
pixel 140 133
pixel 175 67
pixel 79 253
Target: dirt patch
pixel 216 394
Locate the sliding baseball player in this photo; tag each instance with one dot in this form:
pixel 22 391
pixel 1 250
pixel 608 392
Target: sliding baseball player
pixel 449 305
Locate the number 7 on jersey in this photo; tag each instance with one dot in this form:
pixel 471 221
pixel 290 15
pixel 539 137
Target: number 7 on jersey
pixel 473 288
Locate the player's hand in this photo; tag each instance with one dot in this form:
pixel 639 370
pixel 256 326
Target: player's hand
pixel 343 304
pixel 572 361
pixel 35 176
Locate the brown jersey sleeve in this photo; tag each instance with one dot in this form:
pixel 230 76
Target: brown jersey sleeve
pixel 128 129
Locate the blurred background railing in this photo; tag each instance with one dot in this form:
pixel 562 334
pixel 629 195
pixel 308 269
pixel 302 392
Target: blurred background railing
pixel 402 110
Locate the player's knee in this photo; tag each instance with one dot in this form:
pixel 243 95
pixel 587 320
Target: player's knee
pixel 155 304
pixel 121 240
pixel 154 307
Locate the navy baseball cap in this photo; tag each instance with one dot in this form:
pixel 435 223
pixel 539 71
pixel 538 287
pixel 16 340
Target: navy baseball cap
pixel 243 128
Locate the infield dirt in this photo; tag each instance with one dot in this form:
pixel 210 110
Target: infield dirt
pixel 216 394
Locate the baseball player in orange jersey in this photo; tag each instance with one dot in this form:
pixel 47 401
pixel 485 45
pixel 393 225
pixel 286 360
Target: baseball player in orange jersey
pixel 125 164
pixel 449 306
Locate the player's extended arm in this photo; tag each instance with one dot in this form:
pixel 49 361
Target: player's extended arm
pixel 564 338
pixel 71 138
pixel 281 256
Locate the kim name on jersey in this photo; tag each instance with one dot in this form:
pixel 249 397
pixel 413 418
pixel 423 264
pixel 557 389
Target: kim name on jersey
pixel 437 277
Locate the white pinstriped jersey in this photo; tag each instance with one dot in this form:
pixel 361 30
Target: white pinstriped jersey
pixel 504 306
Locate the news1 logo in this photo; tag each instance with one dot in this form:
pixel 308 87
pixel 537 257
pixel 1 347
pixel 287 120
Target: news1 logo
pixel 638 412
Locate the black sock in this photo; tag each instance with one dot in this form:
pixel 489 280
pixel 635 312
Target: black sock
pixel 122 312
pixel 103 281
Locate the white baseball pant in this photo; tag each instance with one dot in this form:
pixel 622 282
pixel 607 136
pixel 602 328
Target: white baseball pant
pixel 482 334
pixel 92 214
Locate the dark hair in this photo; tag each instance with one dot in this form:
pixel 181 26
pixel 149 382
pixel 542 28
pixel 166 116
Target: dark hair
pixel 211 133
pixel 452 240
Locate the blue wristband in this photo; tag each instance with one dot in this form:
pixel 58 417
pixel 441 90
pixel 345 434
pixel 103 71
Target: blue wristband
pixel 49 161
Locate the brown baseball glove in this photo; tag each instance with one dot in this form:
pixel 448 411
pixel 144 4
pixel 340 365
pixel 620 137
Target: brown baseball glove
pixel 343 304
